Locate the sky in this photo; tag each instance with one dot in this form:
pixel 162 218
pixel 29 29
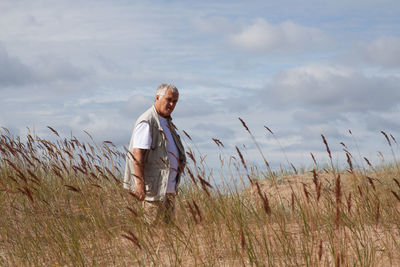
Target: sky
pixel 300 68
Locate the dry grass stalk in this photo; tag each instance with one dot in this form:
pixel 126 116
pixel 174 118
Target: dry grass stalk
pixel 188 136
pixel 242 239
pixel 198 210
pixel 396 195
pixel 244 125
pixel 317 184
pixel 73 188
pixel 264 199
pixel 387 138
pixel 133 211
pixel 337 260
pixel 338 195
pixel 360 191
pixel 191 210
pixel 378 213
pixel 313 158
pixel 131 237
pixel 191 156
pixel 349 162
pixel 241 157
pixel 86 224
pixel 191 175
pixel 54 131
pixel 204 185
pixel 394 139
pixel 259 149
pixel 371 182
pixel 306 193
pixel 348 200
pixel 268 129
pixel 369 163
pixel 326 146
pixel 320 251
pixel 294 168
pixel 397 182
pixel 218 142
pixel 292 202
pixel 27 192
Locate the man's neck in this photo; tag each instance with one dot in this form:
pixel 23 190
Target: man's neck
pixel 161 116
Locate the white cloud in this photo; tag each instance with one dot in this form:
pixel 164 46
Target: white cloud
pixel 151 76
pixel 214 25
pixel 262 36
pixel 12 71
pixel 204 131
pixel 136 105
pixel 40 73
pixel 332 89
pixel 197 107
pixel 384 121
pixel 384 51
pixel 94 65
pixel 104 126
pixel 312 117
pixel 57 69
pixel 315 131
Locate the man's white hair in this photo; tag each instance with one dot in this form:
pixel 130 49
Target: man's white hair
pixel 163 88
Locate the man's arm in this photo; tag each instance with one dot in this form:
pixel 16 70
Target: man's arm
pixel 138 167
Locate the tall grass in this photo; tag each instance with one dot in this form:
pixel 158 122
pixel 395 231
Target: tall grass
pixel 62 203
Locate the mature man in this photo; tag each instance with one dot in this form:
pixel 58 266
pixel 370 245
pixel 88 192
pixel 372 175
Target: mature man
pixel 158 160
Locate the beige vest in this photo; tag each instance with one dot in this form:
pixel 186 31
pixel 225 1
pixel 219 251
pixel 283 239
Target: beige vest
pixel 156 166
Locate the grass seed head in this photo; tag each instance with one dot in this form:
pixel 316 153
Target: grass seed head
pixel 349 162
pixel 244 125
pixel 320 250
pixel 191 210
pixel 242 239
pixel 218 142
pixel 394 139
pixel 378 212
pixel 327 146
pixel 396 195
pixel 369 163
pixel 198 210
pixel 73 188
pixel 313 158
pixel 397 182
pixel 348 200
pixel 371 182
pixel 387 138
pixel 294 168
pixel 188 136
pixel 306 193
pixel 131 237
pixel 268 129
pixel 241 157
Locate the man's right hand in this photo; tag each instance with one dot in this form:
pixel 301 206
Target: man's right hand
pixel 140 191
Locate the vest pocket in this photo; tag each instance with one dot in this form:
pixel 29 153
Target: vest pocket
pixel 152 184
pixel 150 192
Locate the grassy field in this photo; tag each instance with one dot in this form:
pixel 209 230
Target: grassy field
pixel 62 204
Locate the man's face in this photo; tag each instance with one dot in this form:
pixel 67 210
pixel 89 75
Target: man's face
pixel 166 104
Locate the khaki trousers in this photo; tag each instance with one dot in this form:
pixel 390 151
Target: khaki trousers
pixel 157 211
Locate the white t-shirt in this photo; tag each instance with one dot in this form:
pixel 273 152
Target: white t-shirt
pixel 142 139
